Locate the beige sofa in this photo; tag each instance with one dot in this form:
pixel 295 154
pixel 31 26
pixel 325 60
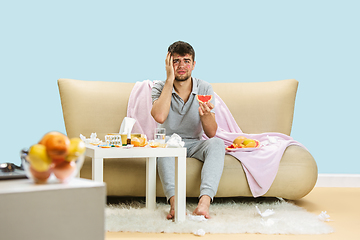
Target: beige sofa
pixel 97 106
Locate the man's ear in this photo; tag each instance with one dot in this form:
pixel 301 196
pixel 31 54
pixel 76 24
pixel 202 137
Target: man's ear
pixel 193 65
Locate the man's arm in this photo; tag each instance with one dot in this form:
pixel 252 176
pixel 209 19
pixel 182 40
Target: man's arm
pixel 161 106
pixel 208 119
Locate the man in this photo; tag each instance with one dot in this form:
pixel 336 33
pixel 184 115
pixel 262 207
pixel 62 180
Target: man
pixel 176 108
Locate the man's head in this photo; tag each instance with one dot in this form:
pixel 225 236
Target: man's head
pixel 182 48
pixel 183 60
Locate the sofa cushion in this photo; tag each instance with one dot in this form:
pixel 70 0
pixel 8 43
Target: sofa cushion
pixel 296 177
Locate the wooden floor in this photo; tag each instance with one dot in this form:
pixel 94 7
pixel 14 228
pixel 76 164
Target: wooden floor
pixel 342 204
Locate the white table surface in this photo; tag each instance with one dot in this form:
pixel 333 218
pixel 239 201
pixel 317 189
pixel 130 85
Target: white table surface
pixel 98 154
pixel 28 185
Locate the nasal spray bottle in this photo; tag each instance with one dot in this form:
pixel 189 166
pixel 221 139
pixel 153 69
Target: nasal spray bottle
pixel 128 140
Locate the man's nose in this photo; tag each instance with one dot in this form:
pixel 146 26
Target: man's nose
pixel 181 63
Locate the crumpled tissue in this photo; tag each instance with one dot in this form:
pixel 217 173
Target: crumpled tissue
pixel 197 218
pixel 92 140
pixel 268 212
pixel 175 141
pixel 199 232
pixel 270 140
pixel 323 216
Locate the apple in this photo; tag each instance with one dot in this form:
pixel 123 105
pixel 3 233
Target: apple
pixel 64 169
pixel 40 176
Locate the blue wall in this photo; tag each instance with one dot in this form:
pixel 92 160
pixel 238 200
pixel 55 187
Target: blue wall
pixel 315 42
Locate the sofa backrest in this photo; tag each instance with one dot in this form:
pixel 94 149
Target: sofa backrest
pixel 260 107
pixel 98 106
pixel 93 106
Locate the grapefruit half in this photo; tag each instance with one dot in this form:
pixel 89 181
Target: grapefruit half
pixel 204 98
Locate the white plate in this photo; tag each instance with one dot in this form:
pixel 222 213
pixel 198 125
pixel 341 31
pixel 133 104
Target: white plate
pixel 242 149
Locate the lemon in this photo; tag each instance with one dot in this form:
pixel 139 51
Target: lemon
pixel 38 158
pixel 249 143
pixel 76 149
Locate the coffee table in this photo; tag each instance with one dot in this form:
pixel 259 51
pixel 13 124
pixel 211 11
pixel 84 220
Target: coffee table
pixel 57 211
pixel 98 154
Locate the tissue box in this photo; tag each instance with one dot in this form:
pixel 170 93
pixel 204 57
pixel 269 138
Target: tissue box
pixel 118 139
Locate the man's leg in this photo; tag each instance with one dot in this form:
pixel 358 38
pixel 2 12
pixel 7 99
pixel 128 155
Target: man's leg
pixel 212 153
pixel 166 170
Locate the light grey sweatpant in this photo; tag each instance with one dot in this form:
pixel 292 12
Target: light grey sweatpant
pixel 211 152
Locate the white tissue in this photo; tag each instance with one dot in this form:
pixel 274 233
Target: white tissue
pixel 175 141
pixel 268 212
pixel 93 136
pixel 271 139
pixel 199 232
pixel 323 216
pixel 93 139
pixel 127 125
pixel 82 137
pixel 197 218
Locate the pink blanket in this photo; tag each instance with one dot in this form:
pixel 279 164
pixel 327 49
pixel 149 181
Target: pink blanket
pixel 139 108
pixel 260 165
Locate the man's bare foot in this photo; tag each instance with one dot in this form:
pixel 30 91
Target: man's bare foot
pixel 171 214
pixel 203 207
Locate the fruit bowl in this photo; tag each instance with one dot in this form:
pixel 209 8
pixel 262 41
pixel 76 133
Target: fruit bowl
pixel 54 156
pixel 56 172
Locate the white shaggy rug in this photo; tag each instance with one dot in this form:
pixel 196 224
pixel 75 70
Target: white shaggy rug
pixel 227 216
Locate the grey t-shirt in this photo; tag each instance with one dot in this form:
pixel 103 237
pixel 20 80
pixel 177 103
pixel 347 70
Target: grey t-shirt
pixel 184 118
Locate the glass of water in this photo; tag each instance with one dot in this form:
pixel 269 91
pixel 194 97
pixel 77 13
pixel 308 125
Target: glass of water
pixel 159 135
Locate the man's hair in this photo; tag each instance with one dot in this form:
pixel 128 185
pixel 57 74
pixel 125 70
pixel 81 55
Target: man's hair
pixel 182 48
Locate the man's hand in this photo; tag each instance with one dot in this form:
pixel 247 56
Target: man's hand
pixel 207 119
pixel 161 107
pixel 205 108
pixel 170 74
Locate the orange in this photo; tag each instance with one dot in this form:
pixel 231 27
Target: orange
pixel 48 136
pixel 135 141
pixel 143 142
pixel 57 145
pixel 154 144
pixel 239 140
